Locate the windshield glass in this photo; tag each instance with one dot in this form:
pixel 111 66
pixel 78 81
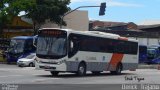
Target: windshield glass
pixel 151 51
pixel 16 46
pixel 54 46
pixel 30 56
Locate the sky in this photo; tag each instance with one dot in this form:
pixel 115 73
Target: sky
pixel 135 11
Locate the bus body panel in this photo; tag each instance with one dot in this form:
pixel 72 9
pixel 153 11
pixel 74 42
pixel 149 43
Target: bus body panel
pixel 95 61
pixel 100 62
pixel 143 54
pixel 51 65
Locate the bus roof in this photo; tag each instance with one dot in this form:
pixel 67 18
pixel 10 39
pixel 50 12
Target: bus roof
pixel 93 33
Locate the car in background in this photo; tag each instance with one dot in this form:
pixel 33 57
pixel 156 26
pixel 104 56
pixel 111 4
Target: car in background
pixel 27 61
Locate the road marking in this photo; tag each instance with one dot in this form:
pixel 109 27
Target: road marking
pixel 42 80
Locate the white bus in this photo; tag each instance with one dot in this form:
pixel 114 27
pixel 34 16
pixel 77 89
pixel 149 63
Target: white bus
pixel 64 50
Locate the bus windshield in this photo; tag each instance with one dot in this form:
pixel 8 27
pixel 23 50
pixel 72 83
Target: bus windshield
pixel 16 46
pixel 51 46
pixel 151 53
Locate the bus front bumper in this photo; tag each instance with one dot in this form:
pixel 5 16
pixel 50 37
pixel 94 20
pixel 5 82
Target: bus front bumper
pixel 51 67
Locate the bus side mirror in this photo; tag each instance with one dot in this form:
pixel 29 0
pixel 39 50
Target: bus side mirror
pixel 35 41
pixel 72 45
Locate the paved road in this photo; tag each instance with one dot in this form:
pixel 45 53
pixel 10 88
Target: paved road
pixel 27 78
pixel 28 75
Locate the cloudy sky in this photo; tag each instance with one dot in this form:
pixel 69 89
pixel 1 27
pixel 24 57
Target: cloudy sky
pixel 122 10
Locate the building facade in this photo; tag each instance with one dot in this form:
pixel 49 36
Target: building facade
pixel 77 20
pixel 145 34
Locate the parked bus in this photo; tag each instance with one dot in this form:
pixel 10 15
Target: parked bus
pixel 143 54
pixel 153 54
pixel 64 50
pixel 20 47
pixel 157 47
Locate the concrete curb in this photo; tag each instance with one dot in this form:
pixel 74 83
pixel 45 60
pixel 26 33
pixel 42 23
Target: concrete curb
pixel 148 66
pixel 3 62
pixel 13 63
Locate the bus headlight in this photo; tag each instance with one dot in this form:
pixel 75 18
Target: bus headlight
pixel 63 61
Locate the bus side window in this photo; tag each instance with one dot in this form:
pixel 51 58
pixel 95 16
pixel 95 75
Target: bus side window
pixel 73 47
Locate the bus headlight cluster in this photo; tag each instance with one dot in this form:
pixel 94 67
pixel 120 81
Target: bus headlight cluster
pixel 63 61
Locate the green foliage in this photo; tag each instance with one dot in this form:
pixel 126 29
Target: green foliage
pixel 3 14
pixel 48 10
pixel 37 10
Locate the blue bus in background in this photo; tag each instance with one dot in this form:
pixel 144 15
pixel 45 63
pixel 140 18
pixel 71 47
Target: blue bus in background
pixel 154 54
pixel 143 54
pixel 20 47
pixel 157 47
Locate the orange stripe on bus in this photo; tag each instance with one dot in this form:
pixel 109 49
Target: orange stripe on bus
pixel 116 58
pixel 123 38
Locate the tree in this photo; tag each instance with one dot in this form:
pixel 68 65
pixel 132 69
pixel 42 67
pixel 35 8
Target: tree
pixel 3 19
pixel 38 10
pixel 7 12
pixel 51 10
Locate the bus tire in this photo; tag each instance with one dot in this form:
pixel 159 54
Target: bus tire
pixel 118 70
pixel 96 72
pixel 54 73
pixel 20 66
pixel 81 69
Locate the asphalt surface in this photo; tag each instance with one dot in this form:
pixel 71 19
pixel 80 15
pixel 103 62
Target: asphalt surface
pixel 28 77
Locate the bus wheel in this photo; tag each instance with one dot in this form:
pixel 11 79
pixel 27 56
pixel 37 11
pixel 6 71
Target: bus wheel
pixel 54 73
pixel 96 72
pixel 20 66
pixel 118 70
pixel 81 69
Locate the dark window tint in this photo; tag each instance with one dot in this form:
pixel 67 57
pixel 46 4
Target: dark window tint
pixel 98 44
